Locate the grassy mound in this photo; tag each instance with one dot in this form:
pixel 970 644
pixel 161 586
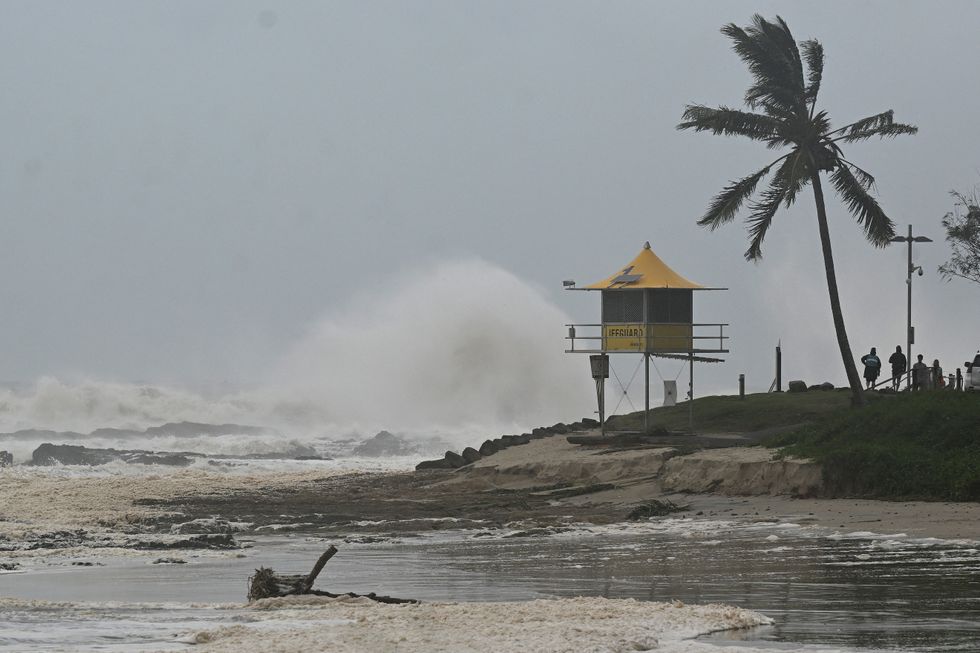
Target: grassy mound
pixel 729 414
pixel 925 445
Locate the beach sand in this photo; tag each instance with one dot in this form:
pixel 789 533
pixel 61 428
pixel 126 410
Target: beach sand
pixel 545 482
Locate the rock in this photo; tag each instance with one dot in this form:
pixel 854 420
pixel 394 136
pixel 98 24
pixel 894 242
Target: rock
pixel 114 433
pixel 6 458
pixel 8 566
pixel 385 444
pixel 203 526
pixel 826 385
pixel 488 448
pixel 540 432
pixel 500 443
pixel 70 454
pixel 797 386
pixel 471 455
pixel 211 541
pixel 194 429
pixel 454 459
pixel 560 428
pixel 442 463
pixel 170 561
pixel 590 423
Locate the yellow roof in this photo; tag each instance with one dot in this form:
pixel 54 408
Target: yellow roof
pixel 645 271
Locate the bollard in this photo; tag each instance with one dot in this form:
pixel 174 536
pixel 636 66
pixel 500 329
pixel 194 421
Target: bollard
pixel 741 386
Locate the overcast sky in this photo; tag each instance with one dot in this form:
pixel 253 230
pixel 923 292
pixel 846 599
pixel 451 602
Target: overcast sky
pixel 186 188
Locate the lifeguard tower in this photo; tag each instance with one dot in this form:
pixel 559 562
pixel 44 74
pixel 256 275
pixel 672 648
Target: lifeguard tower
pixel 647 309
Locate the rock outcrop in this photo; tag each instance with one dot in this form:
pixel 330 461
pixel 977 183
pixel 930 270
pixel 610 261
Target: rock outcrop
pixel 70 454
pixel 385 444
pixel 453 460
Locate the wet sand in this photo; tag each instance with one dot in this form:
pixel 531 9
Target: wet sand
pixel 540 484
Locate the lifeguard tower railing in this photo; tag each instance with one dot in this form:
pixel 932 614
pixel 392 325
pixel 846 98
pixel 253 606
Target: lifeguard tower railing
pixel 661 339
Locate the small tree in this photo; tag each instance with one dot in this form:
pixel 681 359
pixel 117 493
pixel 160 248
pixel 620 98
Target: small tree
pixel 963 235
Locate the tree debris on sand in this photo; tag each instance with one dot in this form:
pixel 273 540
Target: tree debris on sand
pixel 267 584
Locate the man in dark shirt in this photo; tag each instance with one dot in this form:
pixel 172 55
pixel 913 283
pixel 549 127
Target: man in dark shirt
pixel 920 375
pixel 899 365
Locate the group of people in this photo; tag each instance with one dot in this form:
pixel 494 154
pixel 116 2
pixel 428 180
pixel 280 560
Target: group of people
pixel 924 377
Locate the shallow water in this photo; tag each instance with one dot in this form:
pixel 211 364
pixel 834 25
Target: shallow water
pixel 822 589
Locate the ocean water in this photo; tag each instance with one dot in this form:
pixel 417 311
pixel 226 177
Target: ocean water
pixel 824 590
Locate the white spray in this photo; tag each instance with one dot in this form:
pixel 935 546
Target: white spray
pixel 462 350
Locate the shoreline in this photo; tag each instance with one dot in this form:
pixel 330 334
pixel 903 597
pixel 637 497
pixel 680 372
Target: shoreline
pixel 545 483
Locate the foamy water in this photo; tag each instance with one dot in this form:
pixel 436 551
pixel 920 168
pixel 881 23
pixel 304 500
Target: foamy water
pixel 906 594
pixel 357 625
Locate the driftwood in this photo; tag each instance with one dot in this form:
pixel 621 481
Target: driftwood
pixel 267 584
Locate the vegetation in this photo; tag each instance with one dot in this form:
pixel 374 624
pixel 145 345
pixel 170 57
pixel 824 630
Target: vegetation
pixel 963 235
pixel 729 414
pixel 925 445
pixel 782 102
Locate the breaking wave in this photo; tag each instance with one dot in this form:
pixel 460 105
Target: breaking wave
pixel 460 349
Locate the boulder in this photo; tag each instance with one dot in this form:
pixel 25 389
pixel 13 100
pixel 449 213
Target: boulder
pixel 488 448
pixel 540 432
pixel 560 428
pixel 826 385
pixel 471 455
pixel 589 423
pixel 385 444
pixel 442 463
pixel 797 386
pixel 454 459
pixel 70 454
pixel 6 458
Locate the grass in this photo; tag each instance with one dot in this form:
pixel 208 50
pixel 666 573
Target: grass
pixel 921 446
pixel 729 414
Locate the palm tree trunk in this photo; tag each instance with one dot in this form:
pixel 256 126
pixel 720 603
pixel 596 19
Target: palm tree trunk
pixel 853 379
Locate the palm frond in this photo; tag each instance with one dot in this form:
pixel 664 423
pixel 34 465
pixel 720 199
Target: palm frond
pixel 883 131
pixel 878 228
pixel 771 57
pixel 726 204
pixel 794 175
pixel 728 122
pixel 863 176
pixel 864 124
pixel 763 212
pixel 813 55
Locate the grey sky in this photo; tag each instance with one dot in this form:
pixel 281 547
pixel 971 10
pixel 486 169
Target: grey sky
pixel 185 187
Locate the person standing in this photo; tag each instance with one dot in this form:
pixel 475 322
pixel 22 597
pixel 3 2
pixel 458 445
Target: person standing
pixel 920 375
pixel 872 367
pixel 899 365
pixel 938 380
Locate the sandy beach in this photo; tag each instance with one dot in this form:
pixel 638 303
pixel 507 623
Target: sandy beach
pixel 541 483
pixel 54 518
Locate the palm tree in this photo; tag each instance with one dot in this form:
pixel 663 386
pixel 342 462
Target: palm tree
pixel 782 112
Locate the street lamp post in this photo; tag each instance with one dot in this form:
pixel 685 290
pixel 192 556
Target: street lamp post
pixel 909 334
